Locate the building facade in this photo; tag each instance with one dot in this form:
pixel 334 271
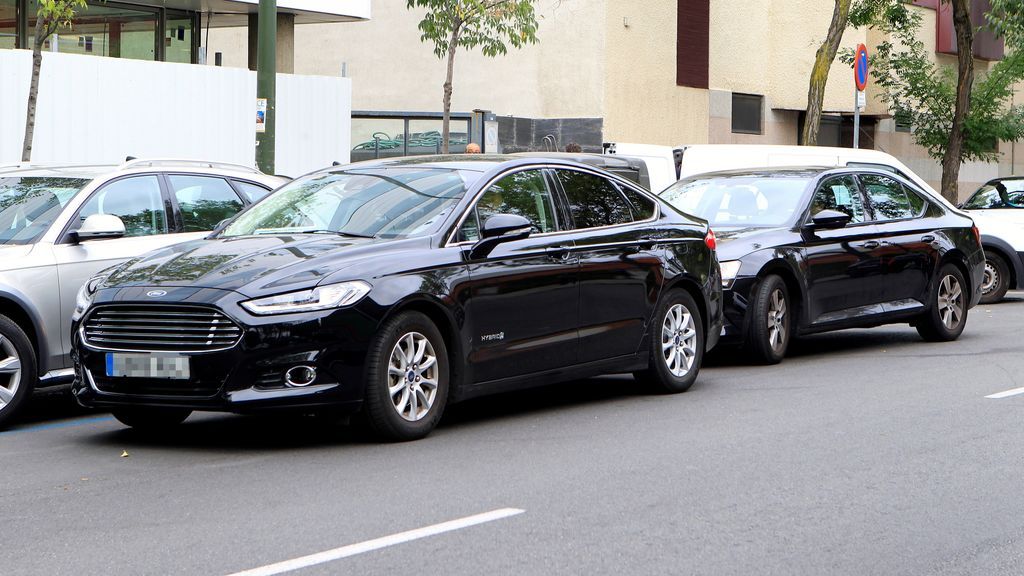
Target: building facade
pixel 657 71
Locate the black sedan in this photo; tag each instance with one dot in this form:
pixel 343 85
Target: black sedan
pixel 390 288
pixel 817 249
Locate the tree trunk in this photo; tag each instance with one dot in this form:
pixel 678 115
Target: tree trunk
pixel 819 73
pixel 453 44
pixel 965 80
pixel 33 89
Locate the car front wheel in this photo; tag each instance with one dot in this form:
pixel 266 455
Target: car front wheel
pixel 771 321
pixel 406 379
pixel 17 369
pixel 677 345
pixel 997 278
pixel 947 314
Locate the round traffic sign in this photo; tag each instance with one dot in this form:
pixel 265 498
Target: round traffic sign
pixel 860 67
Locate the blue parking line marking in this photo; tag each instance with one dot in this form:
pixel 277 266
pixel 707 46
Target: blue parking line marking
pixel 55 425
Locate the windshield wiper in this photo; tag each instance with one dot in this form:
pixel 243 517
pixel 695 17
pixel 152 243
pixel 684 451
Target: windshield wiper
pixel 338 232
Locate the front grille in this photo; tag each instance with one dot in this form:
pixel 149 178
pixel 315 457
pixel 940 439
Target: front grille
pixel 160 328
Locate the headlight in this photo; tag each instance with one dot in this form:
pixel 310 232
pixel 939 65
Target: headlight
pixel 319 298
pixel 85 294
pixel 729 271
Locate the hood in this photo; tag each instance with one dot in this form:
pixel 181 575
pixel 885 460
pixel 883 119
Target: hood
pixel 736 241
pixel 252 265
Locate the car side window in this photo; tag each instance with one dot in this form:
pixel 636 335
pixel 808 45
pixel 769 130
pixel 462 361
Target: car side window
pixel 643 207
pixel 889 199
pixel 137 201
pixel 839 194
pixel 522 193
pixel 1005 194
pixel 593 200
pixel 253 191
pixel 203 201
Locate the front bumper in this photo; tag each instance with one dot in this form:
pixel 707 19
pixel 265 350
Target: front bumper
pixel 248 376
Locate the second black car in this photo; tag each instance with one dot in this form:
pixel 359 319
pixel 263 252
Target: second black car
pixel 816 249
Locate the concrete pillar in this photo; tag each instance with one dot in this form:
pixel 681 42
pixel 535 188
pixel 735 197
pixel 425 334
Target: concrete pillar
pixel 285 42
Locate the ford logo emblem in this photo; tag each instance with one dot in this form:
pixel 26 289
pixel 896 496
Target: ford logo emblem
pixel 156 293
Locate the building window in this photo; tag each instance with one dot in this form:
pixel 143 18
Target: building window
pixel 747 114
pixel 903 121
pixel 693 33
pixel 8 24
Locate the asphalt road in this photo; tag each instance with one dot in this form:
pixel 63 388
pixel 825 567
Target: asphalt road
pixel 865 452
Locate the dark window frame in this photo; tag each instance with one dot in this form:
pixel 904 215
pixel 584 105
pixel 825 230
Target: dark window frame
pixel 759 98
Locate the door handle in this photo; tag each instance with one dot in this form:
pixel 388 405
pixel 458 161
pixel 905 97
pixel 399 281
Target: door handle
pixel 560 252
pixel 928 238
pixel 871 244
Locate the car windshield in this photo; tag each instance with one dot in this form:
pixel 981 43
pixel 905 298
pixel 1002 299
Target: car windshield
pixel 760 201
pixel 30 204
pixel 389 202
pixel 1001 194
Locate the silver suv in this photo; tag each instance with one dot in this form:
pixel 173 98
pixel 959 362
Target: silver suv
pixel 60 225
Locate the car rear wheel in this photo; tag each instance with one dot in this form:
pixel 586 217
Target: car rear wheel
pixel 677 345
pixel 771 321
pixel 996 280
pixel 947 315
pixel 17 369
pixel 151 419
pixel 406 379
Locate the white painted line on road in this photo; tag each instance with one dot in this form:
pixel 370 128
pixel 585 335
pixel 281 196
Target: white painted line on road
pixel 1006 394
pixel 378 543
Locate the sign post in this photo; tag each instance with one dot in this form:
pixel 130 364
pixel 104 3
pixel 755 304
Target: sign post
pixel 266 85
pixel 860 80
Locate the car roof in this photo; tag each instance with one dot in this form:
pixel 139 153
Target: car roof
pixel 66 171
pixel 469 162
pixel 136 166
pixel 782 171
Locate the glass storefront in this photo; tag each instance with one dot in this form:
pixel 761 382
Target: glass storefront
pixel 112 29
pixel 383 137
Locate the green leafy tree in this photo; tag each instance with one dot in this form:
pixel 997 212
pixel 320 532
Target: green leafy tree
pixel 491 25
pixel 50 16
pixel 819 73
pixel 956 117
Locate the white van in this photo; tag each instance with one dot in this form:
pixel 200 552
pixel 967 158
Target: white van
pixel 689 160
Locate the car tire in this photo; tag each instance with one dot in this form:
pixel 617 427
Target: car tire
pixel 947 307
pixel 770 321
pixel 18 372
pixel 149 419
pixel 997 278
pixel 677 345
pixel 398 385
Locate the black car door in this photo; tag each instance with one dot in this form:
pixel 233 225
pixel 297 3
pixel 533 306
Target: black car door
pixel 907 235
pixel 523 297
pixel 620 275
pixel 845 276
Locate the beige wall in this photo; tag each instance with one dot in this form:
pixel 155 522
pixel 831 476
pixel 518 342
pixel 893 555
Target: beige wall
pixel 391 69
pixel 642 101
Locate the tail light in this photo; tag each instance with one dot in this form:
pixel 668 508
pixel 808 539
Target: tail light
pixel 710 239
pixel 977 233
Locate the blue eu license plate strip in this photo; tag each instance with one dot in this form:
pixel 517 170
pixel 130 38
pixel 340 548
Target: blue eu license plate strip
pixel 170 366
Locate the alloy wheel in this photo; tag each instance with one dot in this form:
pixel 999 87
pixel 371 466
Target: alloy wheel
pixel 413 376
pixel 10 372
pixel 678 340
pixel 950 302
pixel 991 279
pixel 777 320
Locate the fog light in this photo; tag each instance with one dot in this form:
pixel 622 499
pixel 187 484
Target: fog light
pixel 300 376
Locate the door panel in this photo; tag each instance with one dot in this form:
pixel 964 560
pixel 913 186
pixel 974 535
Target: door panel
pixel 620 277
pixel 524 295
pixel 844 266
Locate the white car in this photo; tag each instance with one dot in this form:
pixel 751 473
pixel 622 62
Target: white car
pixel 60 225
pixel 998 210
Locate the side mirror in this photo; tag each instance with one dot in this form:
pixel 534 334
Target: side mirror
pixel 498 229
pixel 99 226
pixel 829 220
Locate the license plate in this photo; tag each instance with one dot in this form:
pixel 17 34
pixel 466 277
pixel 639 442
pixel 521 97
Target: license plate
pixel 170 366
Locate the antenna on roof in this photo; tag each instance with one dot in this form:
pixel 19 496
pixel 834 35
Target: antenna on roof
pixel 335 163
pixel 129 158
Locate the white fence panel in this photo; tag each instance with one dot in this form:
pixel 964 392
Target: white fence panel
pixel 94 109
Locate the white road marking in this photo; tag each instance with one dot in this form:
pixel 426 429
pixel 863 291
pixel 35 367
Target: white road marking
pixel 378 543
pixel 1006 393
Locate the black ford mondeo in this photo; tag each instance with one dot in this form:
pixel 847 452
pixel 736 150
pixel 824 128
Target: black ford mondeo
pixel 391 288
